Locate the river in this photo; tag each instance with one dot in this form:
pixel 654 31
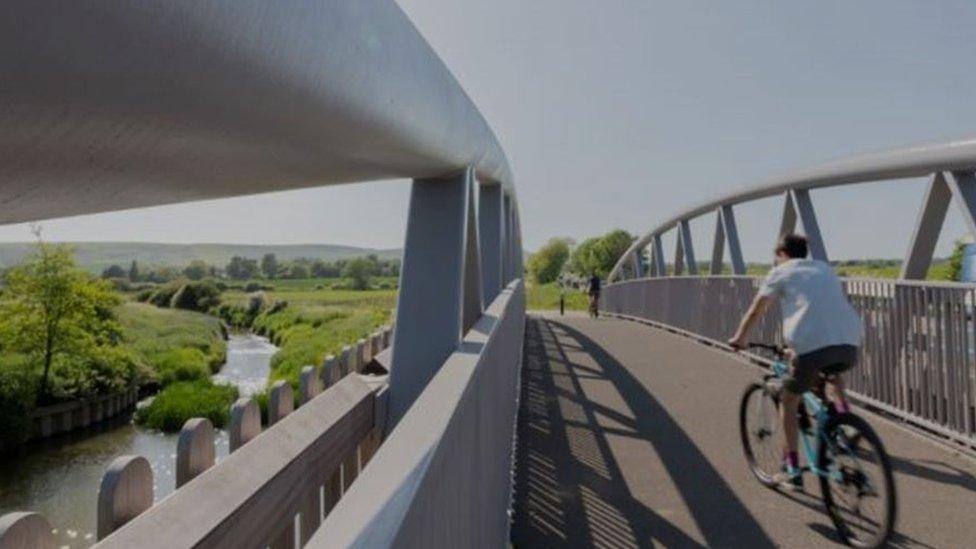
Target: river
pixel 59 477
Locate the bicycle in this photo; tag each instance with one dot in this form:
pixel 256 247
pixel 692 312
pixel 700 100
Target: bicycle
pixel 841 449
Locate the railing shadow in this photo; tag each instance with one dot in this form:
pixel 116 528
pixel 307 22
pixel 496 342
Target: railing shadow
pixel 570 490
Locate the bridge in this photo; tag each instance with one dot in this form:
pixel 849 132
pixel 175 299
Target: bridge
pixel 470 423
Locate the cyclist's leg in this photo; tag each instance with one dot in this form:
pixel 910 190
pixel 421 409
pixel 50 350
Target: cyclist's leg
pixel 842 358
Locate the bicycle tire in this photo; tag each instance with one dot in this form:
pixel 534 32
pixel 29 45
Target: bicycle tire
pixel 889 506
pixel 764 477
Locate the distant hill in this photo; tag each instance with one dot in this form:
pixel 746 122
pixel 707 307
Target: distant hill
pixel 95 256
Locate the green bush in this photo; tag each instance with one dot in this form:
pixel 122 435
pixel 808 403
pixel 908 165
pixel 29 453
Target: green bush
pixel 181 364
pixel 17 396
pixel 185 400
pixel 196 296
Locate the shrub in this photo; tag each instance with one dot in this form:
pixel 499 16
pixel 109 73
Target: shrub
pixel 257 287
pixel 196 296
pixel 17 395
pixel 163 295
pixel 185 400
pixel 181 364
pixel 144 295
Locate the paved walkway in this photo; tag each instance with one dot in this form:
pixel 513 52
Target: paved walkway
pixel 628 437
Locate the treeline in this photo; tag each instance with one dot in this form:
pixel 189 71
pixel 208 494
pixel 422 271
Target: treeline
pixel 268 267
pixel 563 258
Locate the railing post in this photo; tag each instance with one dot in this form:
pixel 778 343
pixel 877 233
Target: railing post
pixel 431 301
pixel 490 232
pixel 125 492
pixel 245 422
pixel 308 383
pixel 281 401
pixel 194 449
pixel 25 531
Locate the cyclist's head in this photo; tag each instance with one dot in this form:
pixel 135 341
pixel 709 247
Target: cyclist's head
pixel 791 246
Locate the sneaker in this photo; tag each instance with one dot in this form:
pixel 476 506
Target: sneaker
pixel 789 479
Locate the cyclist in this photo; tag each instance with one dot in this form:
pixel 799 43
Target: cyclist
pixel 821 329
pixel 594 292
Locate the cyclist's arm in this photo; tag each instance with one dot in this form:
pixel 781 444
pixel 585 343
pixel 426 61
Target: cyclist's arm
pixel 756 310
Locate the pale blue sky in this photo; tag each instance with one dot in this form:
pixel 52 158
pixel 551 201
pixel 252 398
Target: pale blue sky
pixel 619 113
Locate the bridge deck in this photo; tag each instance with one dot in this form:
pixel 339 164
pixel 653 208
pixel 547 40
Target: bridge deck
pixel 628 437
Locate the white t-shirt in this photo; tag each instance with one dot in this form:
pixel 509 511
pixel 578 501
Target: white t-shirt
pixel 816 313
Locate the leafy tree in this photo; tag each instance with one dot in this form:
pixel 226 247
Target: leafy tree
pixel 242 268
pixel 196 270
pixel 599 254
pixel 359 271
pixel 269 266
pixel 114 271
pixel 134 272
pixel 546 264
pixel 55 311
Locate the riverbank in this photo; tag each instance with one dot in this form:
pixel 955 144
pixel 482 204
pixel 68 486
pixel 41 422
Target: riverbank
pixel 60 477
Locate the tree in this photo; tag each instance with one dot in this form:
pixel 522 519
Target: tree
pixel 546 264
pixel 134 272
pixel 269 266
pixel 53 310
pixel 242 268
pixel 955 261
pixel 114 271
pixel 599 254
pixel 196 270
pixel 358 271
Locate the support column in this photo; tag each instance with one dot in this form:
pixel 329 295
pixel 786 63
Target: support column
pixel 731 231
pixel 507 240
pixel 718 245
pixel 963 188
pixel 811 228
pixel 472 305
pixel 679 252
pixel 490 226
pixel 931 217
pixel 686 248
pixel 638 265
pixel 431 300
pixel 788 223
pixel 660 265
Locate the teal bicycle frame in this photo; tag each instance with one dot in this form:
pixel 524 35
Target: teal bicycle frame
pixel 820 414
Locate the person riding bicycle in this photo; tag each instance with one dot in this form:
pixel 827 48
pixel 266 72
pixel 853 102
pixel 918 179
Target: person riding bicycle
pixel 594 293
pixel 820 327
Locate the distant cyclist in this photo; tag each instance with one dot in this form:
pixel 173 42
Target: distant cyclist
pixel 820 327
pixel 594 292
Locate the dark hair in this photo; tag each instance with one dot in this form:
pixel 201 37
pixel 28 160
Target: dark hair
pixel 793 245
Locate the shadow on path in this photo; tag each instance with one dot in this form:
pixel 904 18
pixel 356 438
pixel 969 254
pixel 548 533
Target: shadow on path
pixel 570 490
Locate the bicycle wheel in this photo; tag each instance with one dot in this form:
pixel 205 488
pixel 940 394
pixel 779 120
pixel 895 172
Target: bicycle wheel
pixel 759 427
pixel 858 487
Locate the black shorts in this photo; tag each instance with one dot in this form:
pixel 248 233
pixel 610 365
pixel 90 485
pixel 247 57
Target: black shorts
pixel 833 359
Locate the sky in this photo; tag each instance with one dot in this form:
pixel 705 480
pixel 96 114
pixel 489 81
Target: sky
pixel 621 113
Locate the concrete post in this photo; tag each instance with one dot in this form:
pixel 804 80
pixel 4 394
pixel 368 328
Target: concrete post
pixel 346 361
pixel 432 286
pixel 490 232
pixel 194 449
pixel 245 422
pixel 25 531
pixel 281 401
pixel 362 356
pixel 308 384
pixel 125 492
pixel 330 371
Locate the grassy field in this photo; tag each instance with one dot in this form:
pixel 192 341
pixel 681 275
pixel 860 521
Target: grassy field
pixel 314 322
pixel 545 297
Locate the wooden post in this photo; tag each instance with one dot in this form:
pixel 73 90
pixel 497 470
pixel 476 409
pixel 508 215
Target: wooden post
pixel 245 422
pixel 126 491
pixel 25 531
pixel 194 449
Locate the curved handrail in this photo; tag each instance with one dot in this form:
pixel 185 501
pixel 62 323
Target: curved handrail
pixel 900 163
pixel 113 105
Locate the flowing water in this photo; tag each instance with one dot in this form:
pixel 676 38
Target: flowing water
pixel 59 477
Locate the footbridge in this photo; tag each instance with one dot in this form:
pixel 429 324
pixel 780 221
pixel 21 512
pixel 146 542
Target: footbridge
pixel 468 423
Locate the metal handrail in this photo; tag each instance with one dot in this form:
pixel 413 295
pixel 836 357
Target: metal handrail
pixel 913 161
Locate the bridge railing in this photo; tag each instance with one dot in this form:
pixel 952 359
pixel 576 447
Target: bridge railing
pixel 919 355
pixel 917 361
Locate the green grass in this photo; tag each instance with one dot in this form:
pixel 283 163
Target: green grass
pixel 184 400
pixel 545 297
pixel 315 322
pixel 173 344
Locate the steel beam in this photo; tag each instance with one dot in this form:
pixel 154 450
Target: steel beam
pixel 660 264
pixel 731 231
pixel 473 305
pixel 490 227
pixel 679 253
pixel 963 187
pixel 687 246
pixel 432 286
pixel 928 226
pixel 811 228
pixel 718 245
pixel 788 223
